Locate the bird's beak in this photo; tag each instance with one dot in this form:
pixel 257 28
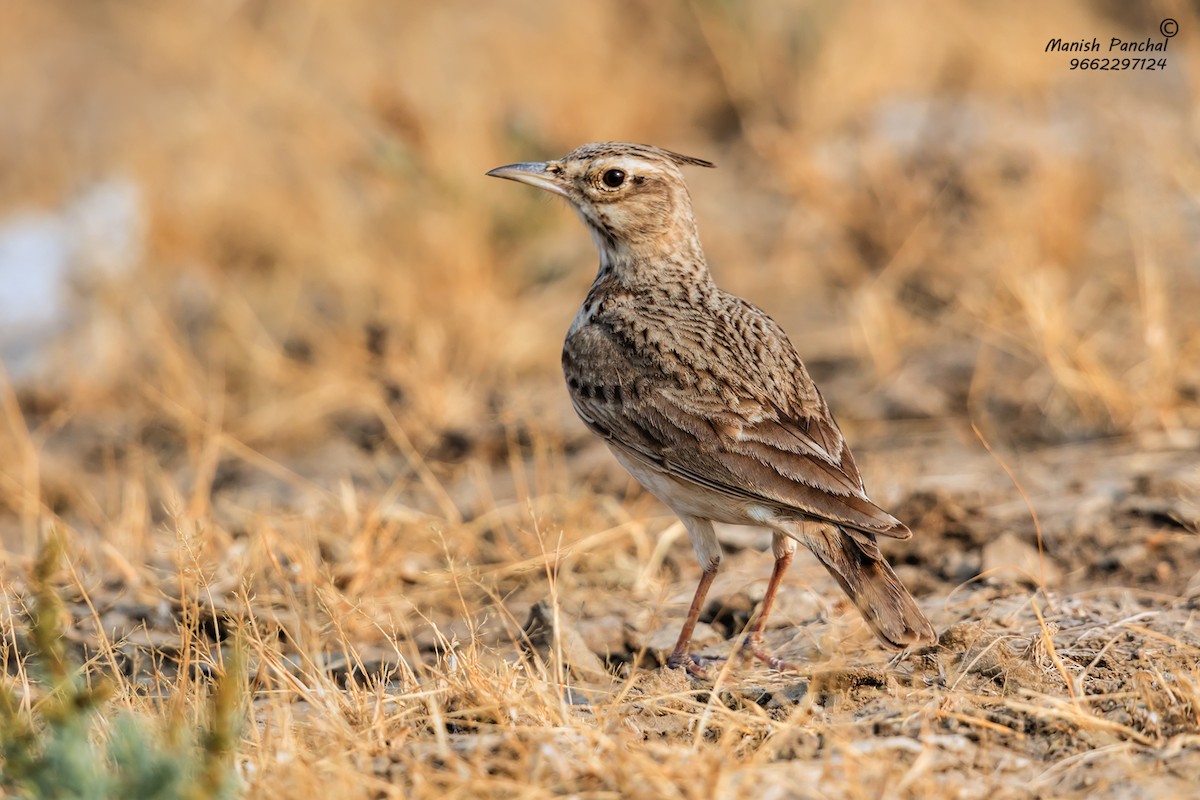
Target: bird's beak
pixel 535 173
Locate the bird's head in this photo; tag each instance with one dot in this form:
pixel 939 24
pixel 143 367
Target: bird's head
pixel 632 197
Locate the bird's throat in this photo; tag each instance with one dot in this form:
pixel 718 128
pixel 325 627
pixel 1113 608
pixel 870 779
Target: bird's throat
pixel 649 261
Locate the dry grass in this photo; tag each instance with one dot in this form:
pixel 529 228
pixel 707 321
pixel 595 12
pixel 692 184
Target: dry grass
pixel 322 414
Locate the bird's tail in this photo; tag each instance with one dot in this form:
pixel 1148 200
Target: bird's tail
pixel 855 561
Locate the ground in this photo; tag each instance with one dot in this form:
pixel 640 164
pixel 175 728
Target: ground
pixel 306 402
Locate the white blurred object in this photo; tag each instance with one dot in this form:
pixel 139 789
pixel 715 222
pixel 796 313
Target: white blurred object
pixel 34 253
pixel 99 235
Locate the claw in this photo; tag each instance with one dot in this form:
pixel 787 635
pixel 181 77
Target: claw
pixel 694 664
pixel 753 647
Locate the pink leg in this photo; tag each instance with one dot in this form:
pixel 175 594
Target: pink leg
pixel 679 656
pixel 753 645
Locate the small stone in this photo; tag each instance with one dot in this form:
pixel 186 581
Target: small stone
pixel 1011 558
pixel 553 635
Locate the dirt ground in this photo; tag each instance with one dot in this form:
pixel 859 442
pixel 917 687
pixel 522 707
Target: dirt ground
pixel 309 401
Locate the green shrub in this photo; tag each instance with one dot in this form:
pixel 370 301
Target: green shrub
pixel 50 750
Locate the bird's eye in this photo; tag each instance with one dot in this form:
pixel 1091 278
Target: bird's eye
pixel 613 178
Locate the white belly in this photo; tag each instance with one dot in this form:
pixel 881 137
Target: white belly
pixel 688 499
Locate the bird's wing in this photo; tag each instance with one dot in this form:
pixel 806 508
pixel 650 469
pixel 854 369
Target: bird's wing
pixel 749 424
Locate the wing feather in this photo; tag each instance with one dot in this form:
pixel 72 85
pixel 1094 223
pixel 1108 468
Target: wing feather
pixel 714 425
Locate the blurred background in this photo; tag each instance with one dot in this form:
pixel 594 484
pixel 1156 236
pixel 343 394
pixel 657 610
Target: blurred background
pixel 250 265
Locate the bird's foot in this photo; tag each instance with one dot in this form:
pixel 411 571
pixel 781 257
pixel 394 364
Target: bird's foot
pixel 753 648
pixel 696 666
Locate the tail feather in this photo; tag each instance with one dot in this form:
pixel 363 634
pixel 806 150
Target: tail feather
pixel 858 565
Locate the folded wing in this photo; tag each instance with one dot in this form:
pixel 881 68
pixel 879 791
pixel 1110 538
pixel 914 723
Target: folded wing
pixel 786 451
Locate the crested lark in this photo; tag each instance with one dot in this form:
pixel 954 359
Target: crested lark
pixel 701 396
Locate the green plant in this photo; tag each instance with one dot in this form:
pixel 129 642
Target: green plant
pixel 49 745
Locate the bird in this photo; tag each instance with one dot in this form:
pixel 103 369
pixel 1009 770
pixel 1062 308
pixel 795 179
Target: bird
pixel 703 399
